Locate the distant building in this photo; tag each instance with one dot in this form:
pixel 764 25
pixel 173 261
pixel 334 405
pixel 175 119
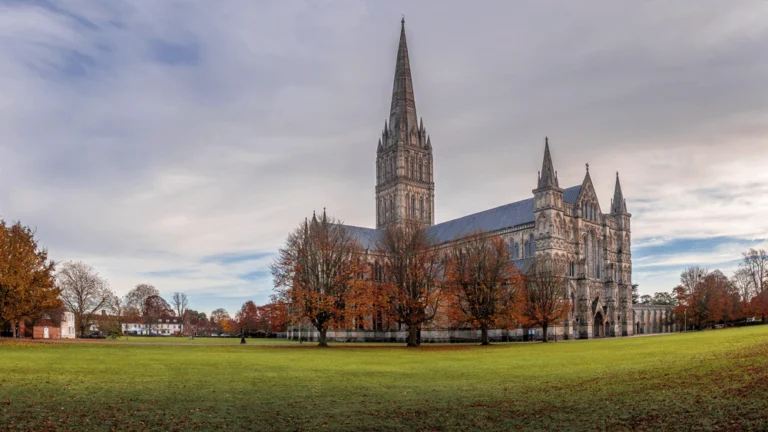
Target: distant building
pixel 55 324
pixel 163 326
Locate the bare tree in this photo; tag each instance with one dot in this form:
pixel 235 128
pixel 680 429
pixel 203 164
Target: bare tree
pixel 755 264
pixel 691 278
pixel 180 303
pixel 743 281
pixel 137 297
pixel 315 272
pixel 412 277
pixel 483 282
pixel 120 309
pixel 83 292
pixel 546 293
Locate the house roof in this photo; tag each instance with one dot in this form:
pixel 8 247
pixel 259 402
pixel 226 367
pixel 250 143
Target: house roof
pixel 495 219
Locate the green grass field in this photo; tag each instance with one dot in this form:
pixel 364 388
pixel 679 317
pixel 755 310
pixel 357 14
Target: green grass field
pixel 713 380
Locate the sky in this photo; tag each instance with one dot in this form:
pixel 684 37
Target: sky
pixel 178 143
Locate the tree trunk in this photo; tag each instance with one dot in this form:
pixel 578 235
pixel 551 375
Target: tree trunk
pixel 322 340
pixel 546 335
pixel 413 336
pixel 484 335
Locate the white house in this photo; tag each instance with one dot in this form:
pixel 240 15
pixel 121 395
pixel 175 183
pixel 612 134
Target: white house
pixel 164 326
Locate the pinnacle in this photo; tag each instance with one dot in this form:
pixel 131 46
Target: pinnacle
pixel 547 176
pixel 619 205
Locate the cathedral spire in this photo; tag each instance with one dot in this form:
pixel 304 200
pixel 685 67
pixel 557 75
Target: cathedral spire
pixel 618 205
pixel 402 113
pixel 548 176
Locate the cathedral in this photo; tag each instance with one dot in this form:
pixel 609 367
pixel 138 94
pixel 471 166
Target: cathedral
pixel 568 224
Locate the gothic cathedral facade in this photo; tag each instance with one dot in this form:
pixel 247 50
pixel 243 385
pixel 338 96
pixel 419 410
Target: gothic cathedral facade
pixel 569 225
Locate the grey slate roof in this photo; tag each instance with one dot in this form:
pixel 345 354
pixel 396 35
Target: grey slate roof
pixel 506 216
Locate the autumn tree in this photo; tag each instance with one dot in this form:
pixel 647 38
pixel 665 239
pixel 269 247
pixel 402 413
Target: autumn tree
pixel 484 285
pixel 546 293
pixel 709 299
pixel 27 280
pixel 247 318
pixel 412 277
pixel 197 322
pixel 155 308
pixel 83 292
pixel 315 272
pixel 218 318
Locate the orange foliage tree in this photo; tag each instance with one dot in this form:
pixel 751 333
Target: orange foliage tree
pixel 27 286
pixel 484 285
pixel 712 299
pixel 316 271
pixel 411 282
pixel 546 293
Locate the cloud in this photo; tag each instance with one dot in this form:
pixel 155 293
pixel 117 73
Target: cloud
pixel 179 143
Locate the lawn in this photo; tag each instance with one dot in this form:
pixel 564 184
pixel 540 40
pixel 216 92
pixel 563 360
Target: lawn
pixel 713 380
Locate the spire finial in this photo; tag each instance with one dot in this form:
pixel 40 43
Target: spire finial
pixel 587 166
pixel 402 21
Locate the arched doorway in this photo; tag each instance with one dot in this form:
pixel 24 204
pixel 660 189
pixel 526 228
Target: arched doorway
pixel 598 329
pixel 46 335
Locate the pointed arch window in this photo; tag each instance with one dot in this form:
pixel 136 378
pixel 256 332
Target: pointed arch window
pixel 421 171
pixel 421 208
pixel 413 169
pixel 413 206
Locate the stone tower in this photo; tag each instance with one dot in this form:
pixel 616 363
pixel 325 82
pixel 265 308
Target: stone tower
pixel 405 188
pixel 548 211
pixel 623 258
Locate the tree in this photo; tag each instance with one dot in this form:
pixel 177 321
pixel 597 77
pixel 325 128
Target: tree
pixel 119 307
pixel 484 285
pixel 83 292
pixel 663 298
pixel 546 293
pixel 27 280
pixel 709 301
pixel 755 264
pixel 646 300
pixel 635 294
pixel 247 318
pixel 315 272
pixel 155 307
pixel 180 303
pixel 218 316
pixel 412 277
pixel 137 297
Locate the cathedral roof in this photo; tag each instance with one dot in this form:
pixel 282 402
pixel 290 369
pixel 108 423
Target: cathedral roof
pixel 506 216
pixel 495 219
